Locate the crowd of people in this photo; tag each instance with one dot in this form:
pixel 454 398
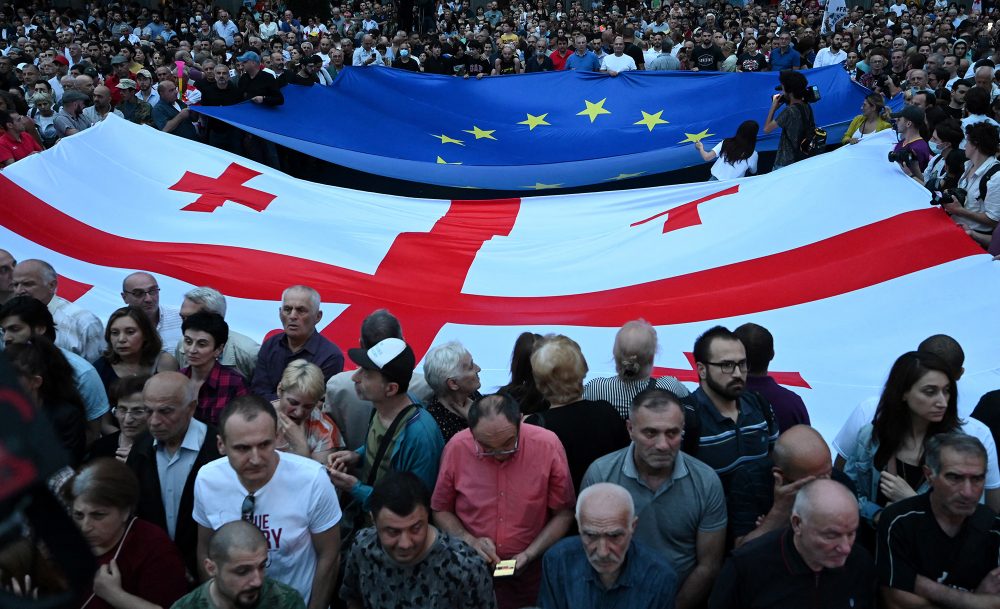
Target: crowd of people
pixel 207 470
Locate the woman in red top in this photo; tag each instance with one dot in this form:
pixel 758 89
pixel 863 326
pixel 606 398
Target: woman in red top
pixel 140 568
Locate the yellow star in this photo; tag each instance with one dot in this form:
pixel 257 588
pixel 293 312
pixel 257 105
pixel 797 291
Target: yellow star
pixel 651 120
pixel 625 176
pixel 441 161
pixel 540 186
pixel 481 133
pixel 447 140
pixel 534 121
pixel 695 137
pixel 593 110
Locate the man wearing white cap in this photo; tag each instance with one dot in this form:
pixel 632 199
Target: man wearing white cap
pixel 402 436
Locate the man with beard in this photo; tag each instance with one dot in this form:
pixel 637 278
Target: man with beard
pixel 728 427
pixel 827 56
pixel 70 119
pixel 678 500
pixel 102 106
pixel 237 563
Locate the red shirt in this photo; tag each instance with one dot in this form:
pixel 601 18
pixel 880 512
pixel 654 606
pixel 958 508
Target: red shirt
pixel 559 61
pixel 13 149
pixel 510 501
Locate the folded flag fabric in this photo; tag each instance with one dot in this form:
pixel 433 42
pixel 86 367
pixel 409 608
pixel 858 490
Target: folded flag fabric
pixel 839 256
pixel 531 131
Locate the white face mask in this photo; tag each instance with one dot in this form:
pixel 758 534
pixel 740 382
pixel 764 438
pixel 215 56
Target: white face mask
pixel 935 148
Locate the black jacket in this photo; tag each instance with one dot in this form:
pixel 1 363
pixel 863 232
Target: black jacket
pixel 142 460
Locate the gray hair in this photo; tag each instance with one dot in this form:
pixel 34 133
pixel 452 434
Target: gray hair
pixel 48 273
pixel 441 363
pixel 210 298
pixel 313 294
pixel 956 441
pixel 607 490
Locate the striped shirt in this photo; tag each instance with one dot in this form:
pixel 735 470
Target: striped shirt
pixel 621 393
pixel 725 444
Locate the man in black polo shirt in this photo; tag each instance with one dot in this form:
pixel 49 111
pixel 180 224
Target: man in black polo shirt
pixel 814 562
pixel 259 87
pixel 220 91
pixel 940 549
pixel 727 427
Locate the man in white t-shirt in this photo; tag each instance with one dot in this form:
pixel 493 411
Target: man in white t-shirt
pixel 951 352
pixel 289 498
pixel 619 62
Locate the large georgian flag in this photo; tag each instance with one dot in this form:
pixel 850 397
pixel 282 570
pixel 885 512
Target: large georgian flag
pixel 839 256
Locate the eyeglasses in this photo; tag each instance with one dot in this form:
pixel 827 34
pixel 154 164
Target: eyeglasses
pixel 246 510
pixel 727 367
pixel 138 412
pixel 499 453
pixel 137 293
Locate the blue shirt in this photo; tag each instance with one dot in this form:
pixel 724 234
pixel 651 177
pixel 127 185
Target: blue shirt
pixel 568 580
pixel 785 61
pixel 588 62
pixel 275 355
pixel 174 470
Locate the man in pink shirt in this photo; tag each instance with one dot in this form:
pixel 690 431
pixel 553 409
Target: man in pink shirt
pixel 505 489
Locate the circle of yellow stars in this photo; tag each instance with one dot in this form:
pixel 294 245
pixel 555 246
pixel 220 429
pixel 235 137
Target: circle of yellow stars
pixel 592 110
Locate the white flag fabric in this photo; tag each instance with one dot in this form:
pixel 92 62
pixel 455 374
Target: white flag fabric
pixel 835 11
pixel 839 256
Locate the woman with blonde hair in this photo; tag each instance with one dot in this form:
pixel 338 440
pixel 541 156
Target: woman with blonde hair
pixel 303 429
pixel 587 429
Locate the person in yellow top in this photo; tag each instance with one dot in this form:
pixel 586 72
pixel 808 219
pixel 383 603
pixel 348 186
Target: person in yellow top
pixel 871 120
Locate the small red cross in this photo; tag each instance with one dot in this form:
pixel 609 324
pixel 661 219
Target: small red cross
pixel 686 215
pixel 227 187
pixel 793 379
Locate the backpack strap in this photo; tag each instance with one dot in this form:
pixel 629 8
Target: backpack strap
pixel 983 182
pixel 383 446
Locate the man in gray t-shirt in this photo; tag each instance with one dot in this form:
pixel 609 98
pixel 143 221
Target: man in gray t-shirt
pixel 678 500
pixel 71 118
pixel 404 562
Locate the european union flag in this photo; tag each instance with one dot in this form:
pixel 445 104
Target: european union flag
pixel 531 131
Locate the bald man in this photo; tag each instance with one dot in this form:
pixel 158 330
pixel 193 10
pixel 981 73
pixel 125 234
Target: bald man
pixel 142 290
pixel 166 460
pixel 237 564
pixel 7 263
pixel 812 559
pixel 604 566
pixel 79 330
pixel 800 456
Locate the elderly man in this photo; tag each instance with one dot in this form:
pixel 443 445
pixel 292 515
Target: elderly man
pixel 7 263
pixel 256 483
pixel 70 119
pixel 505 489
pixel 351 413
pixel 939 549
pixel 814 557
pixel 237 562
pixel 679 500
pixel 170 114
pixel 240 351
pixel 404 562
pixel 367 55
pixel 760 498
pixel 299 314
pixel 79 330
pixel 141 290
pixel 167 458
pixel 604 567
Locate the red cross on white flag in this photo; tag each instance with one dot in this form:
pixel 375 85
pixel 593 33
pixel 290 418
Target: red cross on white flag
pixel 846 273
